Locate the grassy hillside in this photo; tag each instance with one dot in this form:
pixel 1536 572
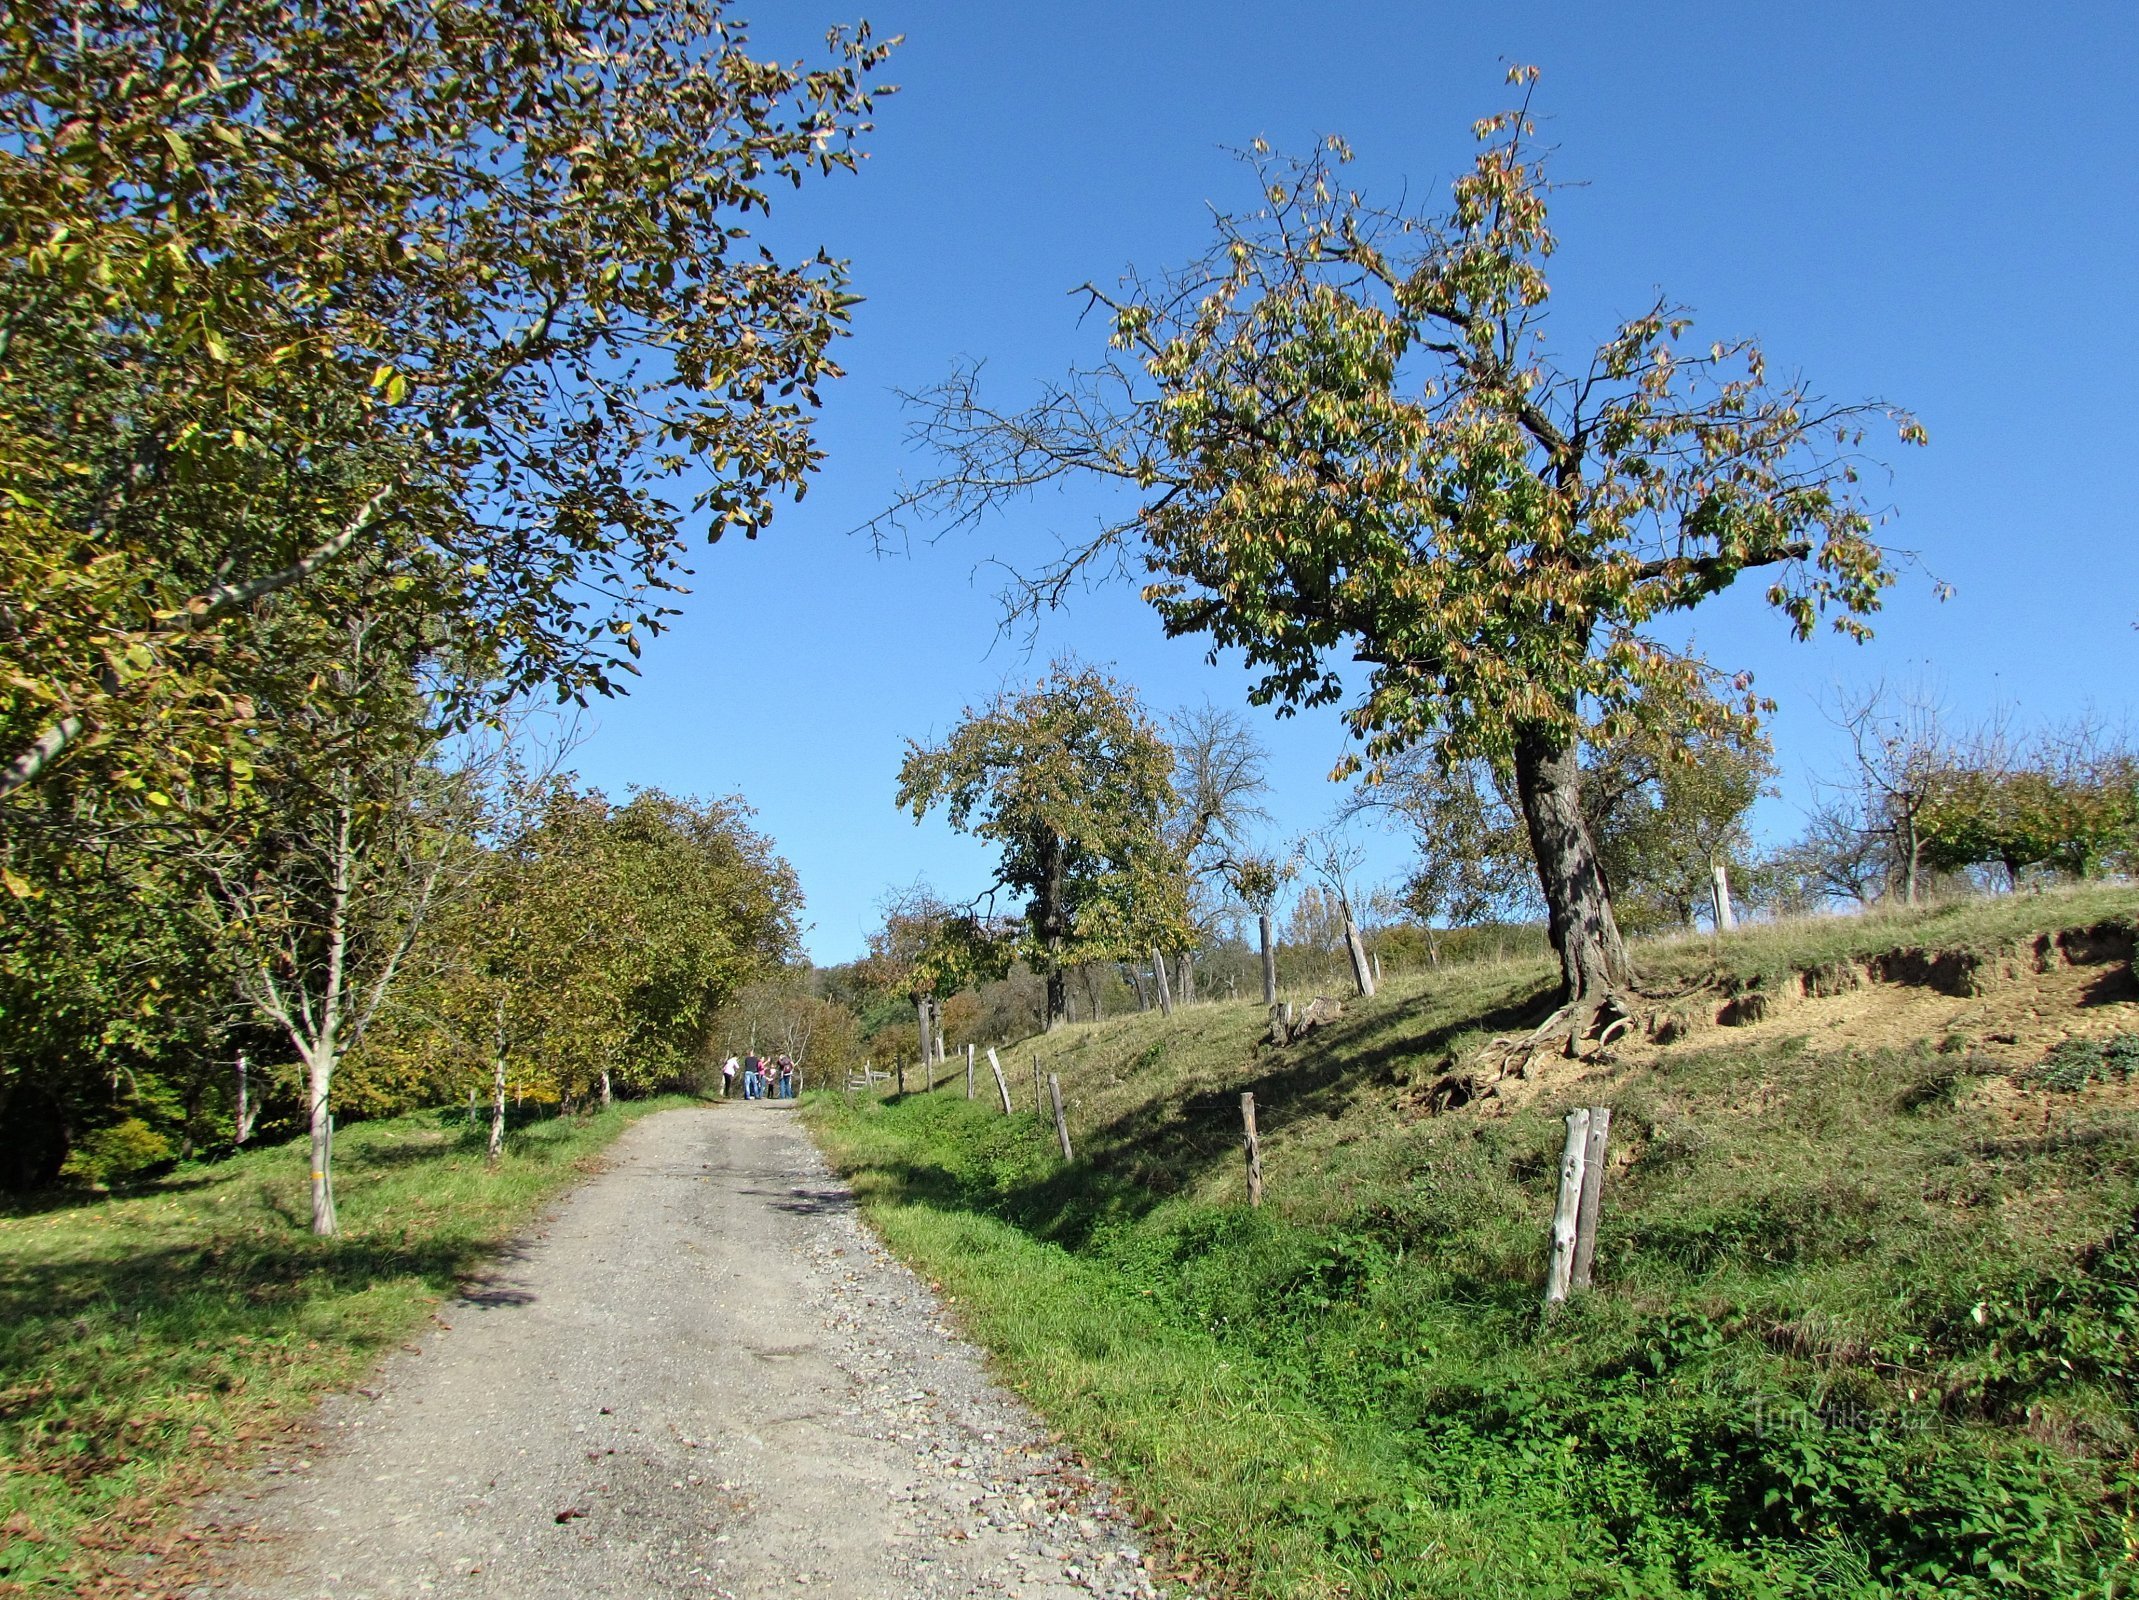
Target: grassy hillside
pixel 147 1338
pixel 1868 1302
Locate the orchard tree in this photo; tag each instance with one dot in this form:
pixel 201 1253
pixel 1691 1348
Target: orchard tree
pixel 463 290
pixel 1219 776
pixel 597 943
pixel 1071 780
pixel 322 885
pixel 1345 434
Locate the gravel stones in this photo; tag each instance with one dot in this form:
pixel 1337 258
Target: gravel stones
pixel 703 1376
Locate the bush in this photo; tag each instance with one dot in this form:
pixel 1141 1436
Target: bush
pixel 114 1154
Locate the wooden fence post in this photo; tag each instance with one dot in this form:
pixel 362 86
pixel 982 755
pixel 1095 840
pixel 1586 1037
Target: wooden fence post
pixel 1600 1129
pixel 1054 1088
pixel 1719 894
pixel 1355 947
pixel 1158 976
pixel 1002 1085
pixel 1569 1204
pixel 1254 1147
pixel 969 1072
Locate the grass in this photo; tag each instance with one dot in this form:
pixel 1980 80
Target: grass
pixel 1868 1323
pixel 150 1337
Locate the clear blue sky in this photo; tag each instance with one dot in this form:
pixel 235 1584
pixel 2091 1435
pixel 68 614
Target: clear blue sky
pixel 1933 203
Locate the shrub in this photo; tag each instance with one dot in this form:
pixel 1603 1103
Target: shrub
pixel 114 1154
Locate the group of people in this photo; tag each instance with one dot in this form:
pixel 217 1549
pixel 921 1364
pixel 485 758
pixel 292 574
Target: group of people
pixel 762 1079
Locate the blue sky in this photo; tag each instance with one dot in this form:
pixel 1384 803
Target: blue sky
pixel 1933 204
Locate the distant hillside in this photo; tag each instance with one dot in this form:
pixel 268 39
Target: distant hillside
pixel 1868 1283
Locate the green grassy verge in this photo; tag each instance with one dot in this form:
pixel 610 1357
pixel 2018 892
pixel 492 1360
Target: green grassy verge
pixel 1868 1323
pixel 145 1339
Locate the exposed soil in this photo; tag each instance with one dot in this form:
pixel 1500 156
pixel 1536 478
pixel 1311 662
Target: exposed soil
pixel 2003 1011
pixel 702 1377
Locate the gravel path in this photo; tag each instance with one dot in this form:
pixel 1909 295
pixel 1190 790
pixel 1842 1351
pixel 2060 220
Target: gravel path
pixel 702 1377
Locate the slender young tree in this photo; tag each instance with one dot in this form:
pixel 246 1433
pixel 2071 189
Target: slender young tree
pixel 1344 434
pixel 329 881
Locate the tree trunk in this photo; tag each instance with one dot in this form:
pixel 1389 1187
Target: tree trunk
pixel 928 1051
pixel 321 1075
pixel 1263 927
pixel 248 1113
pixel 1051 923
pixel 1912 851
pixel 1548 781
pixel 1158 976
pixel 608 1097
pixel 1184 977
pixel 1719 893
pixel 1136 982
pixel 497 1109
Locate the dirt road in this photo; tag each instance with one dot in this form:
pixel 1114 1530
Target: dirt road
pixel 702 1377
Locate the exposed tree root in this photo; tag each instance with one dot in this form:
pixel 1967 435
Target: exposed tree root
pixel 1578 1029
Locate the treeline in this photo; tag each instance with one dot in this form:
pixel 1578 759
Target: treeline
pixel 1119 893
pixel 455 936
pixel 365 371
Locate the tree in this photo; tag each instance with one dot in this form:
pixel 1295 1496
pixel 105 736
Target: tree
pixel 1071 780
pixel 1903 756
pixel 2067 799
pixel 1663 805
pixel 927 950
pixel 782 1013
pixel 1343 433
pixel 461 289
pixel 1334 858
pixel 596 944
pixel 1471 861
pixel 324 887
pixel 1219 777
pixel 1668 806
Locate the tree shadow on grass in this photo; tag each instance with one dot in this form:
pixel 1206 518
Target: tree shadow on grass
pixel 45 1202
pixel 1131 1164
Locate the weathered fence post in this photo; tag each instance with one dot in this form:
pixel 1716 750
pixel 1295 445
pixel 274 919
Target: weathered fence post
pixel 1600 1128
pixel 1054 1089
pixel 1254 1148
pixel 1719 889
pixel 1262 924
pixel 1356 948
pixel 969 1072
pixel 1002 1085
pixel 1564 1212
pixel 1158 976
